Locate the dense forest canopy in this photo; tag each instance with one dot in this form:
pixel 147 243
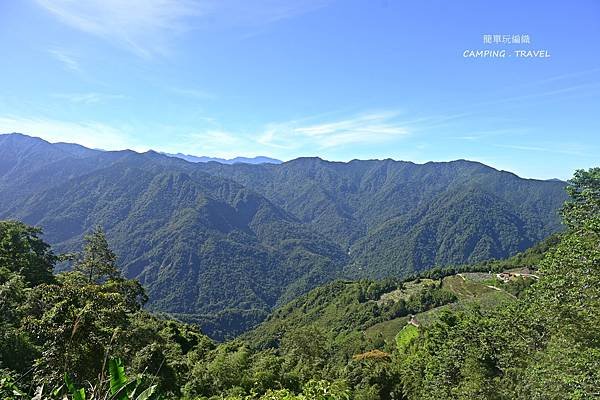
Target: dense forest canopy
pixel 223 245
pixel 455 333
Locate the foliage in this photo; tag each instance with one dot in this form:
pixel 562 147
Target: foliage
pixel 98 262
pixel 406 335
pixel 543 346
pixel 118 388
pixel 476 338
pixel 71 325
pixel 222 246
pixel 9 389
pixel 23 252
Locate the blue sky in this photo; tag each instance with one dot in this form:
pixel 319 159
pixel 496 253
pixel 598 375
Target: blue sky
pixel 337 79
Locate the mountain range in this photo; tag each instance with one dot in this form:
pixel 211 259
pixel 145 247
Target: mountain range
pixel 222 244
pixel 235 160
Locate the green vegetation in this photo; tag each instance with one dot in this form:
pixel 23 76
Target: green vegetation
pixel 72 325
pixel 221 246
pixel 386 330
pixel 406 336
pixel 395 218
pixel 70 333
pixel 457 332
pixel 118 386
pixel 542 346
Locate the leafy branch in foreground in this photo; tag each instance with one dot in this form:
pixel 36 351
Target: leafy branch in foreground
pixel 117 387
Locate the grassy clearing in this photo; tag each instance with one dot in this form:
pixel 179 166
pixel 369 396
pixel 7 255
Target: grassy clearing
pixel 468 292
pixel 477 276
pixel 409 289
pixel 469 288
pixel 406 335
pixel 464 288
pixel 386 330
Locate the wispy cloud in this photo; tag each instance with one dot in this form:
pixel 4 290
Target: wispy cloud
pixel 478 135
pixel 210 142
pixel 283 140
pixel 141 26
pixel 567 76
pixel 87 98
pixel 564 148
pixel 146 27
pixel 66 58
pixel 91 134
pixel 365 128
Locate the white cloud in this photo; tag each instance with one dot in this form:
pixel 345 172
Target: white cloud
pixel 66 58
pixel 563 148
pixel 146 27
pixel 87 98
pixel 289 139
pixel 364 128
pixel 142 26
pixel 281 140
pixel 87 133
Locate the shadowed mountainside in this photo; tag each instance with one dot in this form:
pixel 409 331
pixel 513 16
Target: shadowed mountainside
pixel 222 244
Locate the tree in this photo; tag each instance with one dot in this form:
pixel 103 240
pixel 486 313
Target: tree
pixel 78 317
pixel 567 299
pixel 16 351
pixel 98 262
pixel 584 204
pixel 23 252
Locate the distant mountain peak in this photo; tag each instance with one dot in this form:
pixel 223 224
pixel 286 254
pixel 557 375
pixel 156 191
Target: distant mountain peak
pixel 236 160
pixel 206 238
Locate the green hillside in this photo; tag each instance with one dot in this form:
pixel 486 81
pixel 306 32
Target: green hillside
pixel 358 315
pixel 520 328
pixel 397 217
pixel 200 245
pixel 222 245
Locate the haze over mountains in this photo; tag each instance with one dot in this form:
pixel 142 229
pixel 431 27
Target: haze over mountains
pixel 222 244
pixel 235 160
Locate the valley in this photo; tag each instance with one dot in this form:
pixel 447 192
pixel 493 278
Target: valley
pixel 217 291
pixel 222 245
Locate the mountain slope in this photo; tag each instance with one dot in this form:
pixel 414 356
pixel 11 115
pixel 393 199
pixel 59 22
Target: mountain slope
pixel 201 245
pixel 222 245
pixel 362 315
pixel 395 217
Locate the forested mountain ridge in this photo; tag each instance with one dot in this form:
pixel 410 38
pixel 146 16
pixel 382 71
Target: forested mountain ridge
pixel 521 328
pixel 394 217
pixel 201 245
pixel 222 244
